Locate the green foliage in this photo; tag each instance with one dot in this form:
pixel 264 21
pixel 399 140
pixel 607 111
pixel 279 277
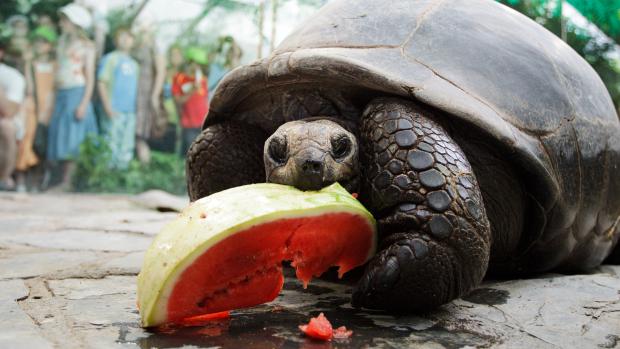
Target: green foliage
pixel 117 18
pixel 31 8
pixel 604 13
pixel 315 3
pixel 9 8
pixel 188 35
pixel 93 174
pixel 596 54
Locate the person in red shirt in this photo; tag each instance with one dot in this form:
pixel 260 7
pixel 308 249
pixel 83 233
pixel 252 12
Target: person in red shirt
pixel 190 91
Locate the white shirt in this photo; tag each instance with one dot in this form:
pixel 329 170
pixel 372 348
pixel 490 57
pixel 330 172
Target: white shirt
pixel 13 84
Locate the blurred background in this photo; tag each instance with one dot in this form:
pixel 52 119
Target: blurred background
pixel 136 77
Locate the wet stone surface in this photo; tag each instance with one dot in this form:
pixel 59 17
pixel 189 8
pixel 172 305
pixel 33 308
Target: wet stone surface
pixel 61 290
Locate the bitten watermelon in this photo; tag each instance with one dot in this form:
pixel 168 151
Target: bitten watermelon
pixel 225 251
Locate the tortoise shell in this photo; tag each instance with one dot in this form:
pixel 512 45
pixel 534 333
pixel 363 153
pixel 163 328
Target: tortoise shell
pixel 482 64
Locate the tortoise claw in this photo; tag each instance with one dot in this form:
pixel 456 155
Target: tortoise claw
pixel 388 276
pixel 382 274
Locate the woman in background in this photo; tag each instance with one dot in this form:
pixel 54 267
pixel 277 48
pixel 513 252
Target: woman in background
pixel 39 72
pixel 168 139
pixel 20 45
pixel 73 117
pixel 152 64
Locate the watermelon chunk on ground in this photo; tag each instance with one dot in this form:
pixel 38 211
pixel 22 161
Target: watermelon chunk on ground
pixel 319 328
pixel 225 251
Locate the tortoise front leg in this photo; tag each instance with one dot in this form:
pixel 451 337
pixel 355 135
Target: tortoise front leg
pixel 434 230
pixel 223 156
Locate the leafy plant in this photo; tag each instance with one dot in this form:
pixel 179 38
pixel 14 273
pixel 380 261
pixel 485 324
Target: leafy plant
pixel 31 7
pixel 604 13
pixel 94 174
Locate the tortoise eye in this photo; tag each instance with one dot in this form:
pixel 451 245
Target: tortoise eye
pixel 278 149
pixel 341 146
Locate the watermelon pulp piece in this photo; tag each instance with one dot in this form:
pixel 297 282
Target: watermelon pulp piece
pixel 225 251
pixel 318 327
pixel 342 333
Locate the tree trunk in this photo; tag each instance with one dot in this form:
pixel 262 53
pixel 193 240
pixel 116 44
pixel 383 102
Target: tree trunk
pixel 137 12
pixel 274 21
pixel 562 21
pixel 261 23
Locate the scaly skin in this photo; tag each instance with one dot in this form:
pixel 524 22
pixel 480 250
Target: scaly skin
pixel 223 156
pixel 435 233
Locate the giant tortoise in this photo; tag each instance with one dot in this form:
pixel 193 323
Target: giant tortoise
pixel 480 141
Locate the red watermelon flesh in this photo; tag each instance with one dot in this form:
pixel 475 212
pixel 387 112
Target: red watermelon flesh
pixel 246 269
pixel 225 252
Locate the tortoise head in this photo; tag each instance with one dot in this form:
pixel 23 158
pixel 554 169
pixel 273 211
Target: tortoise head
pixel 312 153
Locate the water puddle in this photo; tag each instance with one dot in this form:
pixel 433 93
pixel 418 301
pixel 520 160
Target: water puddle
pixel 275 325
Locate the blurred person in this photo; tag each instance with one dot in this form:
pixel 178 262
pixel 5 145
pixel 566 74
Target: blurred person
pixel 175 66
pixel 19 43
pixel 45 20
pixel 39 73
pixel 152 64
pixel 176 60
pixel 118 86
pixel 226 58
pixel 191 92
pixel 12 90
pixel 73 117
pixel 170 140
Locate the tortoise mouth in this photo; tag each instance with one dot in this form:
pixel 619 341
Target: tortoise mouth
pixel 313 184
pixel 352 185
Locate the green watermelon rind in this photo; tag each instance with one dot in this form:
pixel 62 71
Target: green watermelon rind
pixel 183 240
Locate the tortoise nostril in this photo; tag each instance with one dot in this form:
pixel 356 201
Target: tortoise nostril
pixel 312 166
pixel 310 176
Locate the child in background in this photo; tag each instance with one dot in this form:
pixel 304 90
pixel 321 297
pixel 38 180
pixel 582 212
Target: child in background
pixel 168 139
pixel 226 58
pixel 73 117
pixel 39 72
pixel 20 44
pixel 176 62
pixel 118 87
pixel 12 89
pixel 152 63
pixel 192 94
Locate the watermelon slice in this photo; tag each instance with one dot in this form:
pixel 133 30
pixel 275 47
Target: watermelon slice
pixel 225 251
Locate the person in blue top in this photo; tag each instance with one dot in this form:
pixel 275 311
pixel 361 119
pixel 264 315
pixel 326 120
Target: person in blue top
pixel 118 88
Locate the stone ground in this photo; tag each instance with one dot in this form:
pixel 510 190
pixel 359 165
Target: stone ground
pixel 68 266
